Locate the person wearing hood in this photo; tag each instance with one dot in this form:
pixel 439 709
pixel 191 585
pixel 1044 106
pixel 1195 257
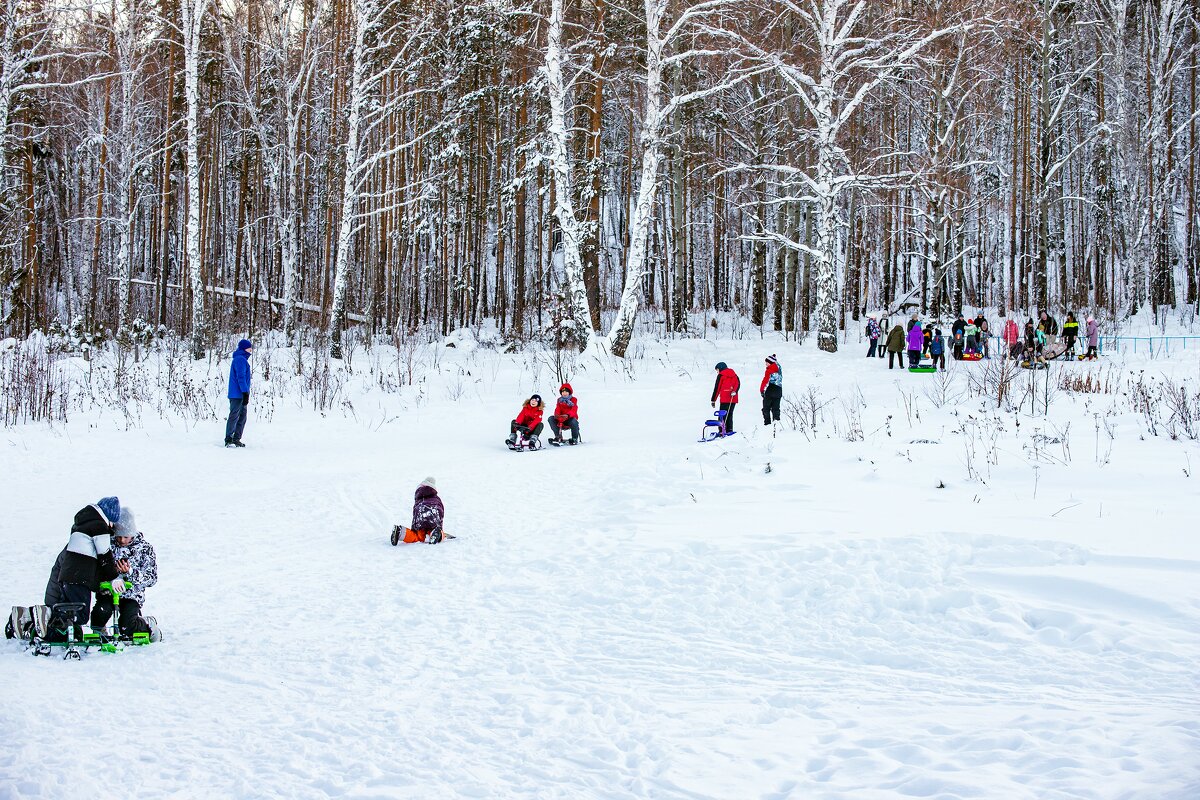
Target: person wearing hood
pixel 566 415
pixel 135 561
pixel 427 516
pixel 771 389
pixel 895 345
pixel 873 334
pixel 239 393
pixel 1093 338
pixel 1012 334
pixel 86 560
pixel 725 392
pixel 916 341
pixel 528 422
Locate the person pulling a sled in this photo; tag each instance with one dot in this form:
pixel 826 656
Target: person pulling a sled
pixel 566 415
pixel 427 515
pixel 138 571
pixel 85 561
pixel 528 422
pixel 771 389
pixel 725 392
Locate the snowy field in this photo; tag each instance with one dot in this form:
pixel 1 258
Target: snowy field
pixel 900 591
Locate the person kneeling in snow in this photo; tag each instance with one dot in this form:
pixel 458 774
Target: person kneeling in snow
pixel 138 568
pixel 566 414
pixel 85 561
pixel 528 422
pixel 427 515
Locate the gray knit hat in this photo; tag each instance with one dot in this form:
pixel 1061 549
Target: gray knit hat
pixel 126 525
pixel 431 482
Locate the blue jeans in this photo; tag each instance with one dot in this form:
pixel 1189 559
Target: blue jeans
pixel 237 419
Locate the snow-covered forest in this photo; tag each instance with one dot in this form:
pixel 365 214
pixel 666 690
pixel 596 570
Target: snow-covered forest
pixel 213 166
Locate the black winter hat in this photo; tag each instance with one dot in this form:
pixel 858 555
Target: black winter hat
pixel 722 365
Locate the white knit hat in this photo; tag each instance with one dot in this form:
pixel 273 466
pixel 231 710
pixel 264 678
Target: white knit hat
pixel 431 482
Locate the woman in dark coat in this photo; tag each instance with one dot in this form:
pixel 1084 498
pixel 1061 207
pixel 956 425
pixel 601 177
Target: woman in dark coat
pixel 895 346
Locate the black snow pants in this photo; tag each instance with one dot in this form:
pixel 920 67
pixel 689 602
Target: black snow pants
pixel 728 407
pixel 130 620
pixel 771 399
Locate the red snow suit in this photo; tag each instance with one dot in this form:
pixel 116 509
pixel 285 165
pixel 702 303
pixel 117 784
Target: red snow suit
pixel 567 407
pixel 726 388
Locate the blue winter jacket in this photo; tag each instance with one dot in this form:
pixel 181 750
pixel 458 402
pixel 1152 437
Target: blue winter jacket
pixel 239 370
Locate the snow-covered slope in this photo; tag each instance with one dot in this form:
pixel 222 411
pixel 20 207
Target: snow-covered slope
pixel 912 598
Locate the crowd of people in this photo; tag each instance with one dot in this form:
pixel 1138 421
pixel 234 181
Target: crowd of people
pixel 971 339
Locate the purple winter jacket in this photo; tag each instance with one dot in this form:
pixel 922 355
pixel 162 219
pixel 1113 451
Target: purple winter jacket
pixel 1093 333
pixel 916 338
pixel 428 511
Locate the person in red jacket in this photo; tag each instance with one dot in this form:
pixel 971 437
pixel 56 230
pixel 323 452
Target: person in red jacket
pixel 528 422
pixel 725 392
pixel 771 389
pixel 566 415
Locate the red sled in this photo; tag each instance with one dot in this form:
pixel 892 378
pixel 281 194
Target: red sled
pixel 972 357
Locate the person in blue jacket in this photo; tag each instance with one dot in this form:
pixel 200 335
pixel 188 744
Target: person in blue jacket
pixel 239 393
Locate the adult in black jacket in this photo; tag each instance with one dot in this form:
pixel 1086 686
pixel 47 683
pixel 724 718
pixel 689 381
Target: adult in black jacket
pixel 87 560
pixel 1049 327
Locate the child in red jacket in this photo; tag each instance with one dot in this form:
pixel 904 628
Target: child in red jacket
pixel 566 415
pixel 528 422
pixel 771 389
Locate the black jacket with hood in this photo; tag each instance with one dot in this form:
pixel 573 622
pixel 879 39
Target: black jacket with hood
pixel 87 559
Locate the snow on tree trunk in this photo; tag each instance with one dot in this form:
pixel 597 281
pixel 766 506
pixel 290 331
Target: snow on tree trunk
pixel 193 18
pixel 849 68
pixel 564 198
pixel 639 226
pixel 364 13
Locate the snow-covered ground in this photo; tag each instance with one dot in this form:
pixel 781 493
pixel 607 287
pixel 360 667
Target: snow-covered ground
pixel 919 595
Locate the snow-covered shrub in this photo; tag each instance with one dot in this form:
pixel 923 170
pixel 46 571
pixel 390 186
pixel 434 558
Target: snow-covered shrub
pixel 77 337
pixel 994 380
pixel 32 389
pixel 1090 382
pixel 942 389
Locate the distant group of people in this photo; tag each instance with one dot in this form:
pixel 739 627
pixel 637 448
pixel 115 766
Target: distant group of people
pixel 971 339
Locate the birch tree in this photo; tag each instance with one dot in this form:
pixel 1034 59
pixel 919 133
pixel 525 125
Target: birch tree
pixel 561 94
pixel 848 66
pixel 384 42
pixel 192 13
pixel 670 44
pixel 276 100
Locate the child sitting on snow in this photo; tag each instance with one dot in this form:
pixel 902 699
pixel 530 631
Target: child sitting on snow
pixel 528 422
pixel 138 568
pixel 427 515
pixel 566 415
